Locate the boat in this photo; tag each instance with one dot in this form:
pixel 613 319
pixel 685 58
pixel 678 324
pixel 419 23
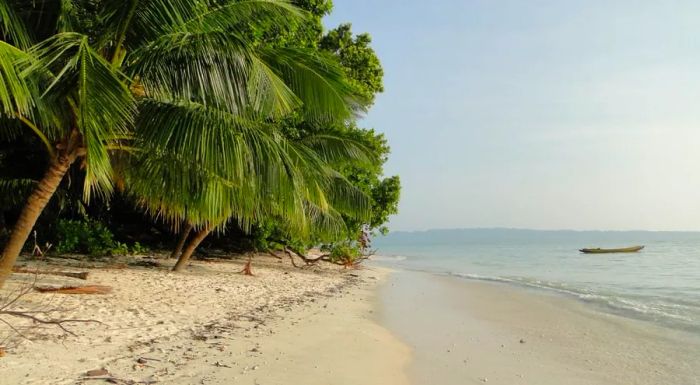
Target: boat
pixel 598 250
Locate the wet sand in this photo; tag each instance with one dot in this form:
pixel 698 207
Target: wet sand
pixel 471 332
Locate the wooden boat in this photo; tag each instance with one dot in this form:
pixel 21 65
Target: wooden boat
pixel 598 250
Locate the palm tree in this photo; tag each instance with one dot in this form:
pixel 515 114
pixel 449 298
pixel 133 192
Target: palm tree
pixel 88 73
pixel 262 175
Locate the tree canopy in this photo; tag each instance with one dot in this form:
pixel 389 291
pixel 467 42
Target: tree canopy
pixel 199 112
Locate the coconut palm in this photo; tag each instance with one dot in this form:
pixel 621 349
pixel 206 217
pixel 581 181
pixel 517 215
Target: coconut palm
pixel 290 181
pixel 81 75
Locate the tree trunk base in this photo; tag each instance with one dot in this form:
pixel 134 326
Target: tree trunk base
pixel 247 269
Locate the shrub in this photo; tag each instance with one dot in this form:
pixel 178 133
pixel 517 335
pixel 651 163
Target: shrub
pixel 346 253
pixel 138 248
pixel 87 237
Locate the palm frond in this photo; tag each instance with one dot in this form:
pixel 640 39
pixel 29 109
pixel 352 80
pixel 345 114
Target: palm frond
pixel 240 166
pixel 102 102
pixel 212 67
pixel 228 15
pixel 336 148
pixel 15 93
pixel 316 79
pixel 12 26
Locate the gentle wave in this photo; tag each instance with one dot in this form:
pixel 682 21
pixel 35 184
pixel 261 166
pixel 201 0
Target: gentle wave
pixel 654 311
pixel 389 258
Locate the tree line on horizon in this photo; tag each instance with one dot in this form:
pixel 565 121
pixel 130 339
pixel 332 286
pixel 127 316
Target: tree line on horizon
pixel 236 118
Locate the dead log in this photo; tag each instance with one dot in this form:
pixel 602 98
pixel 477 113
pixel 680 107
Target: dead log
pixel 80 275
pixel 90 289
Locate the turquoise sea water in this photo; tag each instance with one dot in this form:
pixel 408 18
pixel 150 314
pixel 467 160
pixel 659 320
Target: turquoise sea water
pixel 661 284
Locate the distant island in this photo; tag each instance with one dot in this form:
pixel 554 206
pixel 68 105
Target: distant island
pixel 449 236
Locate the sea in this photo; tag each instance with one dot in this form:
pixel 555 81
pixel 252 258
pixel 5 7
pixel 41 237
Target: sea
pixel 660 284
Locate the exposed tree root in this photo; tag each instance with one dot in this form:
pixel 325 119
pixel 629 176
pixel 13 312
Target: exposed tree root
pixel 354 264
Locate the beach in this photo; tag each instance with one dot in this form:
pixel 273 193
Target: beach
pixel 329 325
pixel 212 325
pixel 472 332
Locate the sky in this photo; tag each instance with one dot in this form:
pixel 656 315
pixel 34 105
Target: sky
pixel 538 114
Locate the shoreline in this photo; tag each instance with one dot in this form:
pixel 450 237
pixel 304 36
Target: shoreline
pixel 213 326
pixel 593 305
pixel 471 331
pixel 327 325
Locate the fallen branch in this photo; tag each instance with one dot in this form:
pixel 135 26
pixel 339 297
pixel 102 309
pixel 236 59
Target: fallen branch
pixel 303 257
pixel 291 258
pixel 90 289
pixel 57 322
pixel 273 254
pixel 81 275
pixel 10 308
pixel 115 380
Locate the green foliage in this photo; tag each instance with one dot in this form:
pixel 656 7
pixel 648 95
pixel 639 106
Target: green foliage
pixel 347 253
pixel 268 235
pixel 385 195
pixel 358 58
pixel 139 249
pixel 239 109
pixel 297 34
pixel 88 237
pixel 363 71
pixel 92 238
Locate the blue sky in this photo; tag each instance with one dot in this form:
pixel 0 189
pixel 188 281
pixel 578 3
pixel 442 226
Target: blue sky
pixel 538 114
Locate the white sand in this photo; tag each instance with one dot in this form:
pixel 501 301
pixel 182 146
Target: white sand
pixel 211 325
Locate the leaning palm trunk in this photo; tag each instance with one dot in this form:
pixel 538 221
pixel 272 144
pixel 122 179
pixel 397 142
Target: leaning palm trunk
pixel 191 247
pixel 181 242
pixel 30 213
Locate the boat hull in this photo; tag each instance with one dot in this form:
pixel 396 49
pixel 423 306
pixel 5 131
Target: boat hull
pixel 632 249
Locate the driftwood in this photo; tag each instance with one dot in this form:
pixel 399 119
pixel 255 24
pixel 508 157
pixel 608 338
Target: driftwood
pixel 89 289
pixel 80 275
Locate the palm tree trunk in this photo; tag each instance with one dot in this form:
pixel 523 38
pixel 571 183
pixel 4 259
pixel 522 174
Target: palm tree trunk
pixel 191 247
pixel 30 213
pixel 181 242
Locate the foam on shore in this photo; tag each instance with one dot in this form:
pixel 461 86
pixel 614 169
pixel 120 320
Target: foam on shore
pixel 470 332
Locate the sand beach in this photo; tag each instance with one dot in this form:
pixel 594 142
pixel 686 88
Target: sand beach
pixel 473 332
pixel 211 325
pixel 329 325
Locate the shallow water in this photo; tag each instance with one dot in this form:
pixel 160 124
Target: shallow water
pixel 661 284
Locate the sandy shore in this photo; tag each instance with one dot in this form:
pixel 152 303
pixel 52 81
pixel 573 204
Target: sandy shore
pixel 212 326
pixel 471 332
pixel 327 325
